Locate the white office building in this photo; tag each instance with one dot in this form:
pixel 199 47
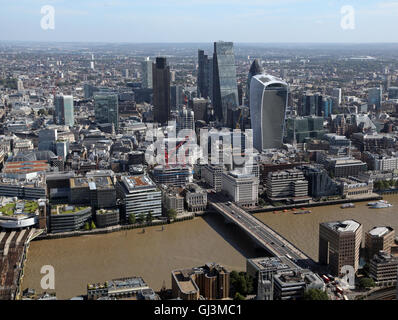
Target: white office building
pixel 139 195
pixel 241 188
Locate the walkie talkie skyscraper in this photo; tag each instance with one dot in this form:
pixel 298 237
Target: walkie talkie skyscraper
pixel 268 104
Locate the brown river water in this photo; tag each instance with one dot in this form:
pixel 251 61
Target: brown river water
pixel 155 253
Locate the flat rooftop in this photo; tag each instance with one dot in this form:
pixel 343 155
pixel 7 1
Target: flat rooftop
pixel 127 283
pixel 240 175
pixel 273 263
pixel 140 181
pixel 132 283
pixel 269 79
pixel 96 182
pixel 380 231
pixel 19 208
pixel 26 166
pixel 343 226
pixel 186 284
pixel 66 209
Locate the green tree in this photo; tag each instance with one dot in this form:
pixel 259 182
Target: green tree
pixel 42 112
pixel 384 185
pixel 171 214
pixel 365 283
pixel 141 218
pixel 86 226
pixel 241 283
pixel 238 296
pixel 92 226
pixel 149 217
pixel 261 202
pixel 315 294
pixel 377 185
pixel 132 219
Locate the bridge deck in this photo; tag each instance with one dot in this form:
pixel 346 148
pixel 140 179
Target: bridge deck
pixel 266 237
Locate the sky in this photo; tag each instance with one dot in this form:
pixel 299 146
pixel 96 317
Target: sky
pixel 259 21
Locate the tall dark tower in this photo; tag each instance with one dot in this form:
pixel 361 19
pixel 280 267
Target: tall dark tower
pixel 203 75
pixel 161 90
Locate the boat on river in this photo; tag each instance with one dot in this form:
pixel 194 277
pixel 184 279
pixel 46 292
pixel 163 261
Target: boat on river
pixel 381 205
pixel 302 212
pixel 347 205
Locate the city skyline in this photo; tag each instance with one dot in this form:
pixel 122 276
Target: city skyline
pixel 301 21
pixel 198 150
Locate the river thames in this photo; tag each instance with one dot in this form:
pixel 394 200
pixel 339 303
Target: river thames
pixel 155 253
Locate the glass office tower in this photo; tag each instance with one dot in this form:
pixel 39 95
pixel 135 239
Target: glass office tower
pixel 375 97
pixel 392 93
pixel 268 104
pixel 176 96
pixel 146 74
pixel 311 105
pixel 106 107
pixel 225 89
pixel 64 111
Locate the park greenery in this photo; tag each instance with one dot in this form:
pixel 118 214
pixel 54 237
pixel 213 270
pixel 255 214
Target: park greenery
pixel 29 207
pixel 366 283
pixel 149 217
pixel 241 284
pixel 141 218
pixel 171 214
pixel 385 185
pixel 238 296
pixel 8 209
pixel 315 294
pixel 89 226
pixel 132 218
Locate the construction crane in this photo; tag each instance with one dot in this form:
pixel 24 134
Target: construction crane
pixel 166 154
pixel 237 123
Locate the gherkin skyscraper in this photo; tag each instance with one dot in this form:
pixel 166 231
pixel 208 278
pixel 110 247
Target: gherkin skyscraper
pixel 255 69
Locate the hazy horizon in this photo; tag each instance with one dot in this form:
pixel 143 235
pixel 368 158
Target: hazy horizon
pixel 202 21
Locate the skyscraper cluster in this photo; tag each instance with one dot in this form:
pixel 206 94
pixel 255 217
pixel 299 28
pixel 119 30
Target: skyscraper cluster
pixel 217 79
